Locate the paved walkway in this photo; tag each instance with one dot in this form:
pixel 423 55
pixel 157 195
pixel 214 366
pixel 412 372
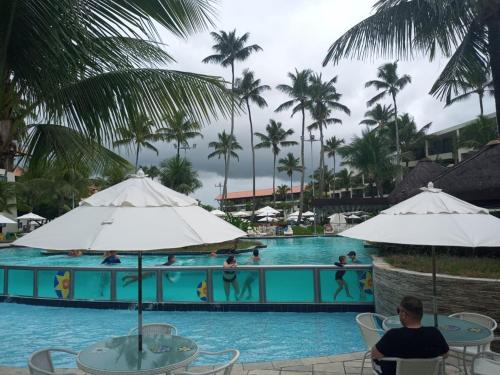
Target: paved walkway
pixel 343 364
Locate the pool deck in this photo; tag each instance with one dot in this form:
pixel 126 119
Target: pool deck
pixel 342 364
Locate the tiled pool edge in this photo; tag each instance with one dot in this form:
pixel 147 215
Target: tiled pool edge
pixel 220 307
pixel 341 364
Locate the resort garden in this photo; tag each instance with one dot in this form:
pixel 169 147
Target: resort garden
pixel 109 258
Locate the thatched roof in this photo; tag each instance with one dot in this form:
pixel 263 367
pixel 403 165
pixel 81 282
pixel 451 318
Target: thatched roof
pixel 424 172
pixel 475 179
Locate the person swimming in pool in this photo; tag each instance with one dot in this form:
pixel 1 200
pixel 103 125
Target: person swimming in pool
pixel 359 273
pixel 129 279
pixel 252 276
pixel 229 277
pixel 111 257
pixel 339 278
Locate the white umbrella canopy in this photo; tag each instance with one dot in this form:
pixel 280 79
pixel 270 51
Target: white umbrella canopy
pixel 138 214
pixel 431 218
pixel 218 213
pixel 266 211
pixel 242 214
pixel 353 217
pixel 6 220
pixel 30 216
pixel 308 214
pixel 268 219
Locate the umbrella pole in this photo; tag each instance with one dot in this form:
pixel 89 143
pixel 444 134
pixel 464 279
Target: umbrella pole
pixel 434 302
pixel 139 301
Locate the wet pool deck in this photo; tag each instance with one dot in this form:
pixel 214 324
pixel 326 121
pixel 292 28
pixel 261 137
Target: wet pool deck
pixel 342 364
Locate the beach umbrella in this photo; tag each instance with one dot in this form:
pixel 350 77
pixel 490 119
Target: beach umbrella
pixel 136 215
pixel 218 213
pixel 6 220
pixel 266 211
pixel 241 214
pixel 431 218
pixel 268 219
pixel 31 216
pixel 308 214
pixel 354 217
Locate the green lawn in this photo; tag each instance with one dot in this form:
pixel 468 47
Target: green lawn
pixel 309 230
pixel 448 264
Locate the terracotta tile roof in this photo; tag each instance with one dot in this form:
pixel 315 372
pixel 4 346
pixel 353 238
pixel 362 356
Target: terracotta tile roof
pixel 258 193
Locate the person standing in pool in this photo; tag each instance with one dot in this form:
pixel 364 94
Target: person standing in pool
pixel 111 257
pixel 252 275
pixel 229 277
pixel 360 274
pixel 339 277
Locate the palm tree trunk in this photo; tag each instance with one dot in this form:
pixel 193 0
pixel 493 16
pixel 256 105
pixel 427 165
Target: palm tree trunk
pixel 274 179
pixel 481 103
pixel 291 191
pixel 137 156
pixel 226 169
pixel 6 156
pixel 321 162
pixel 253 158
pixel 493 25
pixel 302 176
pixel 178 149
pixel 398 149
pixel 224 189
pixel 334 177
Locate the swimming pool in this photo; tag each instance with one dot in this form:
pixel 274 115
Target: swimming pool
pixel 260 337
pixel 304 250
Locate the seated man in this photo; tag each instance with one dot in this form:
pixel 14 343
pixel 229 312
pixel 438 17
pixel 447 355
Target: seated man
pixel 410 341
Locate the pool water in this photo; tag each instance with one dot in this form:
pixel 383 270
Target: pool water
pixel 260 337
pixel 305 250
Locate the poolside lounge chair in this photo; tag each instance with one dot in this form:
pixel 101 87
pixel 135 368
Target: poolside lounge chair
pixel 40 362
pixel 370 325
pixel 327 229
pixel 417 366
pixel 487 362
pixel 288 231
pixel 466 353
pixel 155 329
pixel 224 369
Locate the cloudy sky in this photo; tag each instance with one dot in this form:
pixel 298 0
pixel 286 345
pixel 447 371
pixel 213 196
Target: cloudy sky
pixel 297 34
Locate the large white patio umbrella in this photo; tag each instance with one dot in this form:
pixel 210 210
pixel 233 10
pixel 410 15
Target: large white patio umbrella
pixel 135 215
pixel 431 218
pixel 308 214
pixel 218 213
pixel 6 220
pixel 268 219
pixel 31 216
pixel 242 214
pixel 266 211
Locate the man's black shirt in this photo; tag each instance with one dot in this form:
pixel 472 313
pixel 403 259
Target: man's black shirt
pixel 423 342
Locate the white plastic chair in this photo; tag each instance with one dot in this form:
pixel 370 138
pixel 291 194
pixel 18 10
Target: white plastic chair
pixel 370 326
pixel 417 366
pixel 224 369
pixel 40 362
pixel 487 362
pixel 154 329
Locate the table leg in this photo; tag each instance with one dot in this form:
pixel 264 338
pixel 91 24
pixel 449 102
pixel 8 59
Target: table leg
pixel 464 357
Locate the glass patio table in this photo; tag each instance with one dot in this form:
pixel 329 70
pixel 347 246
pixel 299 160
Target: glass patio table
pixel 456 332
pixel 119 355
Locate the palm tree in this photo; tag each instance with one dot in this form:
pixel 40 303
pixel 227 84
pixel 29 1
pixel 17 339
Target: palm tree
pixel 391 84
pixel 289 165
pixel 180 129
pixel 228 49
pixel 410 138
pixel 331 147
pixel 369 155
pixel 7 196
pixel 298 91
pixel 323 99
pixel 466 30
pixel 151 171
pixel 224 148
pixel 281 191
pixel 275 138
pixel 344 177
pixel 477 134
pixel 98 72
pixel 249 90
pixel 178 174
pixel 378 115
pixel 139 133
pixel 463 87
